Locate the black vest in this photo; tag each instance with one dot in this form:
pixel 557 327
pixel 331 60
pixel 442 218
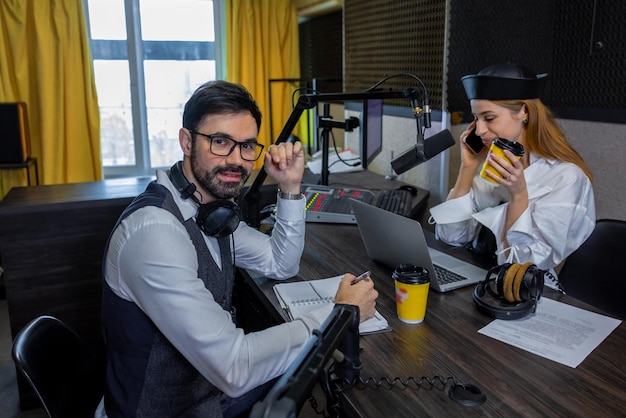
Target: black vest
pixel 146 375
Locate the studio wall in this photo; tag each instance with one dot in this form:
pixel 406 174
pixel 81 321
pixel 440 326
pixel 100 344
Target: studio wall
pixel 578 42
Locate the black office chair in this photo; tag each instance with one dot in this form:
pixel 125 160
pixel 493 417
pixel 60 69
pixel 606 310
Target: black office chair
pixel 595 273
pixel 66 375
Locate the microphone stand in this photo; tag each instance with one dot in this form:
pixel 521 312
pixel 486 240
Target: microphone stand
pixel 327 123
pixel 340 331
pixel 251 198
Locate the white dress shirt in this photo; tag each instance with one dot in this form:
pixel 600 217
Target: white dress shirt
pixel 560 215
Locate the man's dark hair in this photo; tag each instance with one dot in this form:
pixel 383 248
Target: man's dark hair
pixel 219 97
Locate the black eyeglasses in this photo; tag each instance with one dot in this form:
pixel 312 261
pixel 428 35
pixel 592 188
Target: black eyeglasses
pixel 224 146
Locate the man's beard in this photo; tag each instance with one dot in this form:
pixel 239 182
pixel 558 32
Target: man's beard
pixel 211 182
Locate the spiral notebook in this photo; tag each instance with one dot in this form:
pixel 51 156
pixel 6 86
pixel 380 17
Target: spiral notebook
pixel 298 298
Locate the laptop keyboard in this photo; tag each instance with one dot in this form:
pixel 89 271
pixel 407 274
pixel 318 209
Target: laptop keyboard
pixel 446 276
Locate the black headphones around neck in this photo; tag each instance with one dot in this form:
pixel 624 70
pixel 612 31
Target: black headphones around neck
pixel 515 287
pixel 218 218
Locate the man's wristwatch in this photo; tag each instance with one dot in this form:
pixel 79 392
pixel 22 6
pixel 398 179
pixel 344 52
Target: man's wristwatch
pixel 290 196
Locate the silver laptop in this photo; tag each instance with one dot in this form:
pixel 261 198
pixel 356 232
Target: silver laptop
pixel 393 239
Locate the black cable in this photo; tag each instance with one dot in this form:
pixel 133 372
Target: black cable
pixel 315 406
pixel 333 387
pixel 346 162
pixel 306 90
pixel 425 103
pixel 392 382
pixel 361 382
pixel 341 160
pixel 413 76
pixel 465 394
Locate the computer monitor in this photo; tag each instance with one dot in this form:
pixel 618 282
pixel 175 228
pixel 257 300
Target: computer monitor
pixel 340 332
pixel 371 131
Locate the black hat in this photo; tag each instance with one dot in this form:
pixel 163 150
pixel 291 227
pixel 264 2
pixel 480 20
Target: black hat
pixel 505 81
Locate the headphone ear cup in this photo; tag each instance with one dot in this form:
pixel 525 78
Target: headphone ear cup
pixel 508 282
pixel 538 283
pixel 218 218
pixel 532 284
pixel 521 280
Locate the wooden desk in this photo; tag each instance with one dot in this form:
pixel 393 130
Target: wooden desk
pixel 516 382
pixel 52 241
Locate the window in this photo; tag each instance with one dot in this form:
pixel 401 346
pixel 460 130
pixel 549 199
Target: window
pixel 148 57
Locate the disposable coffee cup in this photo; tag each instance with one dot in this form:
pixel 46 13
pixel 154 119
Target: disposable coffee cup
pixel 412 283
pixel 497 147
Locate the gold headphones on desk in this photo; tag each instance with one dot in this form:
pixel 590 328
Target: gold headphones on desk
pixel 515 289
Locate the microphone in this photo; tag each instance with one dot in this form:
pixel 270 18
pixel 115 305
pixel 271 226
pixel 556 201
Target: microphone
pixel 431 147
pixel 415 105
pixel 418 109
pixel 425 109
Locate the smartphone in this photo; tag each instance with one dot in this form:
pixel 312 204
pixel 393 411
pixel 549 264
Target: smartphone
pixel 474 143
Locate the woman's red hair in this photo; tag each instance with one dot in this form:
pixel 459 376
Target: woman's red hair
pixel 544 136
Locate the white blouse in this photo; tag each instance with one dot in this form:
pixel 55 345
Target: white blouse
pixel 560 215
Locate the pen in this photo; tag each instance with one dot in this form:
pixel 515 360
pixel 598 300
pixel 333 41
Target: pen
pixel 365 275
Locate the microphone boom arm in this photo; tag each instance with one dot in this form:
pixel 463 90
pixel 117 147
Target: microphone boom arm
pixel 251 197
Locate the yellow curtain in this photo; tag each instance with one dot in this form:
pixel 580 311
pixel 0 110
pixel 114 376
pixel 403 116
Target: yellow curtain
pixel 262 44
pixel 45 61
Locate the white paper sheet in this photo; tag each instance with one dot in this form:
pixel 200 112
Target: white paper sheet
pixel 557 331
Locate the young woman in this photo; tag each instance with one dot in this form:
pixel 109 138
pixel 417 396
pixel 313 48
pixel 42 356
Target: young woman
pixel 540 207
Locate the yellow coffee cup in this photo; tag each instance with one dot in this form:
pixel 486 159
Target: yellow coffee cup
pixel 412 284
pixel 497 147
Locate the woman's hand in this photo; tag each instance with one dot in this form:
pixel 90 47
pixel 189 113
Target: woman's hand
pixel 469 159
pixel 469 166
pixel 512 171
